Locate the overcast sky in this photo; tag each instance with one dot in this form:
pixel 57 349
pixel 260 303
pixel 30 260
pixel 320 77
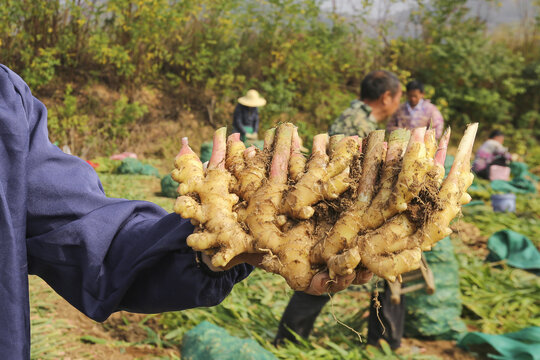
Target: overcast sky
pixel 507 11
pixel 379 6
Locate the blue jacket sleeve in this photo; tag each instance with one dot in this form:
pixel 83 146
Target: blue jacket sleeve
pixel 104 254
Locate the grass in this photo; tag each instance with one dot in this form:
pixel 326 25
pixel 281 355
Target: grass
pixel 526 219
pixel 498 299
pixel 254 308
pixel 50 337
pixel 136 187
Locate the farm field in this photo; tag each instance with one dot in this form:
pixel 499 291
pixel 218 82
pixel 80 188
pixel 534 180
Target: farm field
pixel 496 299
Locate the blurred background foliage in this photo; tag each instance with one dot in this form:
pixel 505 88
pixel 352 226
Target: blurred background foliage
pixel 199 56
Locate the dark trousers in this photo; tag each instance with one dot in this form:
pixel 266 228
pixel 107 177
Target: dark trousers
pixel 303 309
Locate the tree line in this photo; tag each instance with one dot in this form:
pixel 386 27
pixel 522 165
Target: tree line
pixel 307 62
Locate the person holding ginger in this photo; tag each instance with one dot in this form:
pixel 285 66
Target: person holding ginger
pixel 101 254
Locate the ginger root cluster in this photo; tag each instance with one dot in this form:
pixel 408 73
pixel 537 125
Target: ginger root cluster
pixel 354 203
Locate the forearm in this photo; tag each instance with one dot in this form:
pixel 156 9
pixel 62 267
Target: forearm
pixel 145 267
pixel 104 254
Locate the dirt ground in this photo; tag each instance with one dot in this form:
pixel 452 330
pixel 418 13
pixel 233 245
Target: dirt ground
pixel 443 349
pixel 471 237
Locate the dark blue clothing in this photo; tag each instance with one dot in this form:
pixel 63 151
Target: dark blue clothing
pixel 245 116
pixel 101 254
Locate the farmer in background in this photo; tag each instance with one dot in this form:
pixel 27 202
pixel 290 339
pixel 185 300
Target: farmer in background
pixel 380 96
pixel 246 115
pixel 417 112
pixel 101 254
pixel 492 152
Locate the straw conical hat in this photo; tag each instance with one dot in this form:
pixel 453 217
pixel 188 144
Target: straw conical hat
pixel 252 99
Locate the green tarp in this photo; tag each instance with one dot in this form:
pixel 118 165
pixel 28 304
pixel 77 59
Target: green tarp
pixel 521 170
pixel 523 182
pixel 206 151
pixel 448 161
pixel 437 316
pixel 134 166
pixel 520 345
pixel 516 186
pixel 475 203
pixel 169 186
pixel 207 341
pixel 516 249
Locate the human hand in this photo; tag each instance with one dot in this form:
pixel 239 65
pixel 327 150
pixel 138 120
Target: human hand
pixel 321 282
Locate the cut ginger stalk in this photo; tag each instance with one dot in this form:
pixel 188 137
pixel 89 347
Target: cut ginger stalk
pixel 287 252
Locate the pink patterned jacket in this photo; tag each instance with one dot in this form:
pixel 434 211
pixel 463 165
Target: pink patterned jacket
pixel 421 115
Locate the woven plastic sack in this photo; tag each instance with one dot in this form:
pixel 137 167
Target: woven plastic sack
pixel 134 166
pixel 437 316
pixel 442 252
pixel 207 341
pixel 169 186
